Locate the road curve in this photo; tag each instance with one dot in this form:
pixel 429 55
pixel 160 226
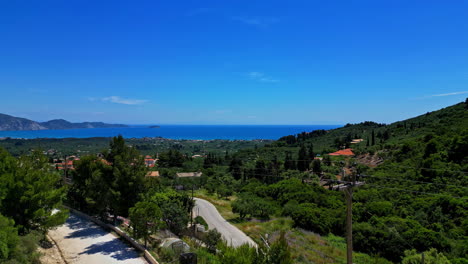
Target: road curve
pixel 82 241
pixel 230 233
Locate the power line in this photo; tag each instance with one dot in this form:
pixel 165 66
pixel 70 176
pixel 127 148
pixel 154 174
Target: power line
pixel 412 191
pixel 421 182
pixel 421 168
pixel 363 175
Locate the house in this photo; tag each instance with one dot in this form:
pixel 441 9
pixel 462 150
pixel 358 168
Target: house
pixel 67 164
pixel 152 174
pixel 149 161
pixel 189 174
pixel 344 152
pixel 355 141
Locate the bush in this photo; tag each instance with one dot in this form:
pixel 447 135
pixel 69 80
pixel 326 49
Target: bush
pixel 211 239
pixel 200 220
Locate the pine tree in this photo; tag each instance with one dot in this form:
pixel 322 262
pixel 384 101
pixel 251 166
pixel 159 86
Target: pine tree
pixel 302 163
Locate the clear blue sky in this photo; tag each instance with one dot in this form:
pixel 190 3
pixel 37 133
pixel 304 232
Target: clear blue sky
pixel 231 62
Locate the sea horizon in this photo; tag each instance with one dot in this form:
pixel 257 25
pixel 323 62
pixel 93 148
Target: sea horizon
pixel 179 132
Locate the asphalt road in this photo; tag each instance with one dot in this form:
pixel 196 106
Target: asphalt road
pixel 230 233
pixel 82 241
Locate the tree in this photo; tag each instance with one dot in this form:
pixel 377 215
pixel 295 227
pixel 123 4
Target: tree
pixel 430 257
pixel 128 171
pixel 249 204
pixel 92 185
pixel 279 252
pixel 310 217
pixel 303 159
pixel 171 158
pixel 235 167
pixel 317 167
pixel 211 239
pixel 146 219
pixel 175 208
pixel 8 237
pixel 289 163
pixel 373 138
pixel 34 192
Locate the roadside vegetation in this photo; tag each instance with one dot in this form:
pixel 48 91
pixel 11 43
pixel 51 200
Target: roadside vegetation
pixel 414 199
pixel 31 195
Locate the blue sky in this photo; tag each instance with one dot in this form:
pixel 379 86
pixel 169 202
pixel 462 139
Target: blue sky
pixel 231 62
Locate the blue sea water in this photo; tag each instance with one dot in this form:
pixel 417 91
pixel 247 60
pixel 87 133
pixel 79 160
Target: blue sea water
pixel 203 132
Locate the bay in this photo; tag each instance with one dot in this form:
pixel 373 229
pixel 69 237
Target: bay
pixel 201 132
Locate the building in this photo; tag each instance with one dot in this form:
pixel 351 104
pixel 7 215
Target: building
pixel 152 174
pixel 189 174
pixel 344 152
pixel 149 161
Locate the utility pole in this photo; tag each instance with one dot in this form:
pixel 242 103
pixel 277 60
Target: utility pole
pixel 191 211
pixel 347 187
pixel 349 224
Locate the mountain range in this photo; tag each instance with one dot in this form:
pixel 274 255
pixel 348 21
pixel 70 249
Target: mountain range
pixel 8 122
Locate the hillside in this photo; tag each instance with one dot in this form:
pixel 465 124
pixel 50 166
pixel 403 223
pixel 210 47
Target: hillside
pixel 9 123
pixel 415 173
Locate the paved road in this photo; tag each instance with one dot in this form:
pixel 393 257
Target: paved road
pixel 82 241
pixel 230 233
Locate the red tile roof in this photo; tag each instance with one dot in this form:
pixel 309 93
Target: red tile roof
pixel 344 152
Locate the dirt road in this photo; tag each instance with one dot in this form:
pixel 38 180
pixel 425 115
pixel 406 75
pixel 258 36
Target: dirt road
pixel 82 241
pixel 230 233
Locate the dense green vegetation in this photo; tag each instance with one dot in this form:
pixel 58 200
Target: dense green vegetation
pixel 414 199
pixel 415 196
pixel 60 147
pixel 29 192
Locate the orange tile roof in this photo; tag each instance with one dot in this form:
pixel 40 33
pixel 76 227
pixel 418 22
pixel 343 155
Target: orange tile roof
pixel 344 152
pixel 152 174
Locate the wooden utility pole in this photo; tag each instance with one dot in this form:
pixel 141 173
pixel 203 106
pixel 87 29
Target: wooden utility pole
pixel 347 187
pixel 349 224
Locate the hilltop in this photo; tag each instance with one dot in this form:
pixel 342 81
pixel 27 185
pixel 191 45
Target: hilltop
pixel 8 122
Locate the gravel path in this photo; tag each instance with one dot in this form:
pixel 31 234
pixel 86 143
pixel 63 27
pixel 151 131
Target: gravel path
pixel 82 241
pixel 230 233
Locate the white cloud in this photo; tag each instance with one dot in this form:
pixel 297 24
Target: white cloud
pixel 256 21
pixel 120 100
pixel 448 94
pixel 256 74
pixel 261 77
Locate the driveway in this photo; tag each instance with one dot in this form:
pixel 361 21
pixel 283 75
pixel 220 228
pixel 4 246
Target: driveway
pixel 82 241
pixel 230 233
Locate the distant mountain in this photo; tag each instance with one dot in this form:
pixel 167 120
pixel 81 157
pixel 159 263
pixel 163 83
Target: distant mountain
pixel 8 122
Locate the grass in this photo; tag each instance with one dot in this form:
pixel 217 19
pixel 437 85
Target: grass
pixel 306 246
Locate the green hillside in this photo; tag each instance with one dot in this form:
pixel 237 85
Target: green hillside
pixel 416 191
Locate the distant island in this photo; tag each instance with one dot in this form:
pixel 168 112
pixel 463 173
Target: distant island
pixel 154 126
pixel 10 123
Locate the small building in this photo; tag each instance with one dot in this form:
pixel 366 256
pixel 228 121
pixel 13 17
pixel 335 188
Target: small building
pixel 149 161
pixel 152 174
pixel 189 174
pixel 344 152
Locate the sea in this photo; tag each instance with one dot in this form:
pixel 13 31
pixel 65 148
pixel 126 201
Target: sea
pixel 193 132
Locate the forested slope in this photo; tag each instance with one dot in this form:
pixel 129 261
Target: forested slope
pixel 415 197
